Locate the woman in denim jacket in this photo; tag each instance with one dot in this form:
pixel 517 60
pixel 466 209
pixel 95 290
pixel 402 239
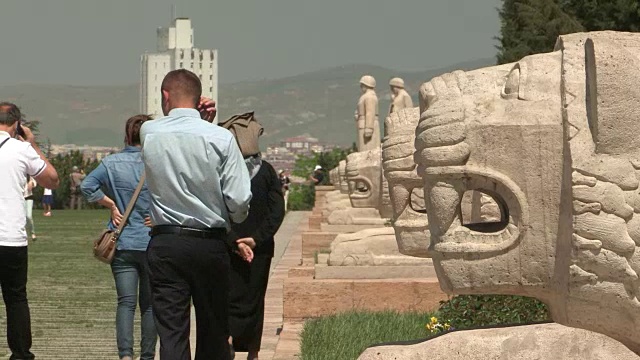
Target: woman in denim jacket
pixel 112 185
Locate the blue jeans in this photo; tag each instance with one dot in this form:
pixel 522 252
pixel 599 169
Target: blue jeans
pixel 130 267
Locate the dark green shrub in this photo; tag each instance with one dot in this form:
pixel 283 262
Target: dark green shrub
pixel 466 311
pixel 301 197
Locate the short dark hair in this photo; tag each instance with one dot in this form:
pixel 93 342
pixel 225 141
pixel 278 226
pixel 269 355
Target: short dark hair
pixel 183 84
pixel 132 128
pixel 9 113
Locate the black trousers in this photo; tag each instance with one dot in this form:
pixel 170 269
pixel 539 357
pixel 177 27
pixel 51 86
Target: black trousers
pixel 183 268
pixel 246 300
pixel 13 281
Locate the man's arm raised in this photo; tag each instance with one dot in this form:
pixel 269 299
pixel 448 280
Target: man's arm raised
pixel 39 167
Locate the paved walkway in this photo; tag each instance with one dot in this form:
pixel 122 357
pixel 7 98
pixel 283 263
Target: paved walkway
pixel 287 254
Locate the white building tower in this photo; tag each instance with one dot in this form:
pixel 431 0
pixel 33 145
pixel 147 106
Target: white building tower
pixel 176 51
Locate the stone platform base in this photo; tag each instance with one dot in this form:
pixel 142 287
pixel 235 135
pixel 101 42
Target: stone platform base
pixel 305 297
pixel 314 241
pixel 301 271
pixel 347 228
pixel 540 342
pixel 323 271
pixel 314 222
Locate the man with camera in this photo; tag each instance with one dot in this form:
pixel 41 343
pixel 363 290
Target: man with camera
pixel 20 157
pixel 199 184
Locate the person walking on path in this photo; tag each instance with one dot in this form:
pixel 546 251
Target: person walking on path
pixel 285 182
pixel 20 157
pixel 248 280
pixel 75 179
pixel 28 204
pixel 119 174
pixel 199 184
pixel 47 201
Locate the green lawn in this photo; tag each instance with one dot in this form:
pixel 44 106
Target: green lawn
pixel 71 295
pixel 345 336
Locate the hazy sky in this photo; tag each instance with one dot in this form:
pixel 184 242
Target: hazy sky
pixel 99 42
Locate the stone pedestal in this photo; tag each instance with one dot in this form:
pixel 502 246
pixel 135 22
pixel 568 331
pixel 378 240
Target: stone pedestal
pixel 315 222
pixel 323 271
pixel 305 297
pixel 313 242
pixel 345 229
pixel 356 216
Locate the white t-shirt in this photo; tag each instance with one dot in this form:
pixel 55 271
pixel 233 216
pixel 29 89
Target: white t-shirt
pixel 47 192
pixel 17 160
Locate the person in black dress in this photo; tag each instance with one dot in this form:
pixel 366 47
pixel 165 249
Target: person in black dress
pixel 248 279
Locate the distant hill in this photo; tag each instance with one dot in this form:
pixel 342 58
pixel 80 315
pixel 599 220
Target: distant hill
pixel 319 103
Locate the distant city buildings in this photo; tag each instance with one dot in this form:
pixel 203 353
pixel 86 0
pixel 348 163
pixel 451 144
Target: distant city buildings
pixel 88 152
pixel 176 51
pixel 283 156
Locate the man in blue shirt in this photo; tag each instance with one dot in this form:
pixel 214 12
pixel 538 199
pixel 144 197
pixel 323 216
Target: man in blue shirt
pixel 199 183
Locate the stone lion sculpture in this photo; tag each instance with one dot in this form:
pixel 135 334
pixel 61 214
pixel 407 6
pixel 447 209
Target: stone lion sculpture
pixel 405 186
pixel 554 139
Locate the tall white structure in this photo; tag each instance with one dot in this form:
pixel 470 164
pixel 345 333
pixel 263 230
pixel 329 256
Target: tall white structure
pixel 176 51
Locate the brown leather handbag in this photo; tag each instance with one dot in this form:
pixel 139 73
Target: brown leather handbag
pixel 105 247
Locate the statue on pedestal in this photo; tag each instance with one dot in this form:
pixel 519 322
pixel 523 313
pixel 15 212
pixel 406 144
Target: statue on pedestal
pixel 400 98
pixel 367 116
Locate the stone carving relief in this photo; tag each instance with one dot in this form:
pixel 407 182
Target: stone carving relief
pixel 385 209
pixel 405 186
pixel 364 176
pixel 334 177
pixel 344 185
pixel 370 247
pixel 554 140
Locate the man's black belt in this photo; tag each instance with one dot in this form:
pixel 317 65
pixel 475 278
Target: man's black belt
pixel 214 233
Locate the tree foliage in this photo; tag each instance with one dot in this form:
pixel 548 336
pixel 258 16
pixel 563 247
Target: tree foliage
pixel 302 196
pixel 63 165
pixel 327 160
pixel 530 27
pixel 595 15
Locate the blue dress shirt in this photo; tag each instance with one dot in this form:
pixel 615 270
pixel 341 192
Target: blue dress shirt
pixel 118 176
pixel 195 172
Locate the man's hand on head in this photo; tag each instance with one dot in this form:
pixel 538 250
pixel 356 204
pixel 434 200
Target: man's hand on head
pixel 207 109
pixel 28 135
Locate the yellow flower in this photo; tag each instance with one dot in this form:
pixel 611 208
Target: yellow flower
pixel 434 319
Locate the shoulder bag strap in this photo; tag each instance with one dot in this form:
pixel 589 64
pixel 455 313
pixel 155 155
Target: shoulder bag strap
pixel 5 140
pixel 132 202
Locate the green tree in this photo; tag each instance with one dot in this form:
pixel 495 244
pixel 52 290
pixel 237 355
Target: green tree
pixel 302 196
pixel 327 160
pixel 594 15
pixel 63 165
pixel 304 165
pixel 530 27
